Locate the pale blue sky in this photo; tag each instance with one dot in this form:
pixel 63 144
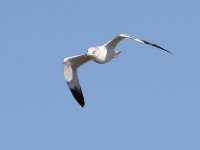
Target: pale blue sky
pixel 146 99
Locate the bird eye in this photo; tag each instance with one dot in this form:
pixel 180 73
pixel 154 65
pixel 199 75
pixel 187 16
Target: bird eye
pixel 93 52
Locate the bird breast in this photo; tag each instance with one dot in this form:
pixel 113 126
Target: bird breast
pixel 100 56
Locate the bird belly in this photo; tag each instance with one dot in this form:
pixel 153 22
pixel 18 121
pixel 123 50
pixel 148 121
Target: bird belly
pixel 100 60
pixel 103 57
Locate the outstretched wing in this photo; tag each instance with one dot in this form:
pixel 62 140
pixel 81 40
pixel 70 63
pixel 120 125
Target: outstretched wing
pixel 70 73
pixel 113 43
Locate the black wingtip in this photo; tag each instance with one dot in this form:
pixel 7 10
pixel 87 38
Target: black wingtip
pixel 162 48
pixel 78 95
pixel 146 42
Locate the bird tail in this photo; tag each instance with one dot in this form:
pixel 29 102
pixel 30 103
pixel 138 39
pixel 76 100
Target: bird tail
pixel 117 53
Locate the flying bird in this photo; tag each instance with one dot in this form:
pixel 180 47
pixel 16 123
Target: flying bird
pixel 99 54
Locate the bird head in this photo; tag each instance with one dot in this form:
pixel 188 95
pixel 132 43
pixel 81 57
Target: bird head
pixel 93 52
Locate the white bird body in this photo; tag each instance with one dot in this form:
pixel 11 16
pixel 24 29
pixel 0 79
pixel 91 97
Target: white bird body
pixel 99 54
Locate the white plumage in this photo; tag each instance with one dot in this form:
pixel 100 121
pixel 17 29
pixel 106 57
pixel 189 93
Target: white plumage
pixel 99 54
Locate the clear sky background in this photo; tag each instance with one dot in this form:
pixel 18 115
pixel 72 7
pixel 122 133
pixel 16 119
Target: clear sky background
pixel 146 99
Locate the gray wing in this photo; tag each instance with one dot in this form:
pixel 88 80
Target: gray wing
pixel 113 43
pixel 71 65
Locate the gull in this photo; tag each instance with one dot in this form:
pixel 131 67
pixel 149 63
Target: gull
pixel 99 54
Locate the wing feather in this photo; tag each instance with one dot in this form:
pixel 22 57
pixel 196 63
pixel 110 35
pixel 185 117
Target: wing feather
pixel 113 43
pixel 71 65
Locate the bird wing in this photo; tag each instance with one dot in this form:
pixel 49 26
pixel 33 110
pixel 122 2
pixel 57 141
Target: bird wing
pixel 113 43
pixel 70 73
